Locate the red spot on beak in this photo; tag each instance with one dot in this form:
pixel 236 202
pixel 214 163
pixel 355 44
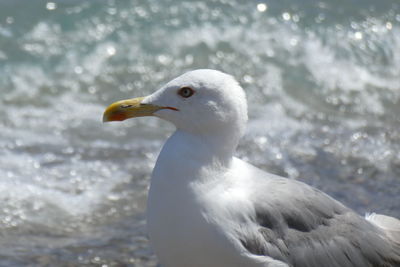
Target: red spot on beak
pixel 118 116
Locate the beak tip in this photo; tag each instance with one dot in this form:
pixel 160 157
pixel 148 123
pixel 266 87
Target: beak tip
pixel 105 118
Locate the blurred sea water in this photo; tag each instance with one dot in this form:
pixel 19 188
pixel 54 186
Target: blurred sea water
pixel 322 80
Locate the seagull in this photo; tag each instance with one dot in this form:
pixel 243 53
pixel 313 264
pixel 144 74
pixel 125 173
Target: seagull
pixel 207 208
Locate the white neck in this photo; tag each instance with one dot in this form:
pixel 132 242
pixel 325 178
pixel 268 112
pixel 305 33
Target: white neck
pixel 218 148
pixel 186 153
pixel 187 165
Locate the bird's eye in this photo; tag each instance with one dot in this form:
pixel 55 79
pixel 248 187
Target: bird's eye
pixel 186 92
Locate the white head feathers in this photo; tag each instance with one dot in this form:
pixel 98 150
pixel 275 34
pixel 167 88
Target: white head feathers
pixel 217 106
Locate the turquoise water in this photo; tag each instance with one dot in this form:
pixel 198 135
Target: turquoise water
pixel 322 80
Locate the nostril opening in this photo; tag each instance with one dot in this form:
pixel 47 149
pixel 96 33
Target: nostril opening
pixel 126 106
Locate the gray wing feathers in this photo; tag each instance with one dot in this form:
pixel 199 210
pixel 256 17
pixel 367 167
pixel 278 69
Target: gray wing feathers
pixel 304 227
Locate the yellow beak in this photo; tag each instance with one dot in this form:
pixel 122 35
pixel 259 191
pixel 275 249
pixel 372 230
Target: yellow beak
pixel 129 108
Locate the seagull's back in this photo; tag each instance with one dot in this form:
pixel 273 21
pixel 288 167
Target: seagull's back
pixel 302 226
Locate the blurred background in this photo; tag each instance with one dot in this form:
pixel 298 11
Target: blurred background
pixel 322 79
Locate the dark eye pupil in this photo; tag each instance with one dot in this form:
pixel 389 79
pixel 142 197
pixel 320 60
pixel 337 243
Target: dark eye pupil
pixel 186 92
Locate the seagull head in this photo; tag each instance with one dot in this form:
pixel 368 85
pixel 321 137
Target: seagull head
pixel 199 102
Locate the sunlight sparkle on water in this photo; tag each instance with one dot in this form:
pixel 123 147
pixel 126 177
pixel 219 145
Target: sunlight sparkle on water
pixel 261 7
pixel 358 35
pixel 286 16
pixel 111 50
pixel 51 6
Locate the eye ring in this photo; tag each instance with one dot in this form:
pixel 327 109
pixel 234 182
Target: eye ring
pixel 186 92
